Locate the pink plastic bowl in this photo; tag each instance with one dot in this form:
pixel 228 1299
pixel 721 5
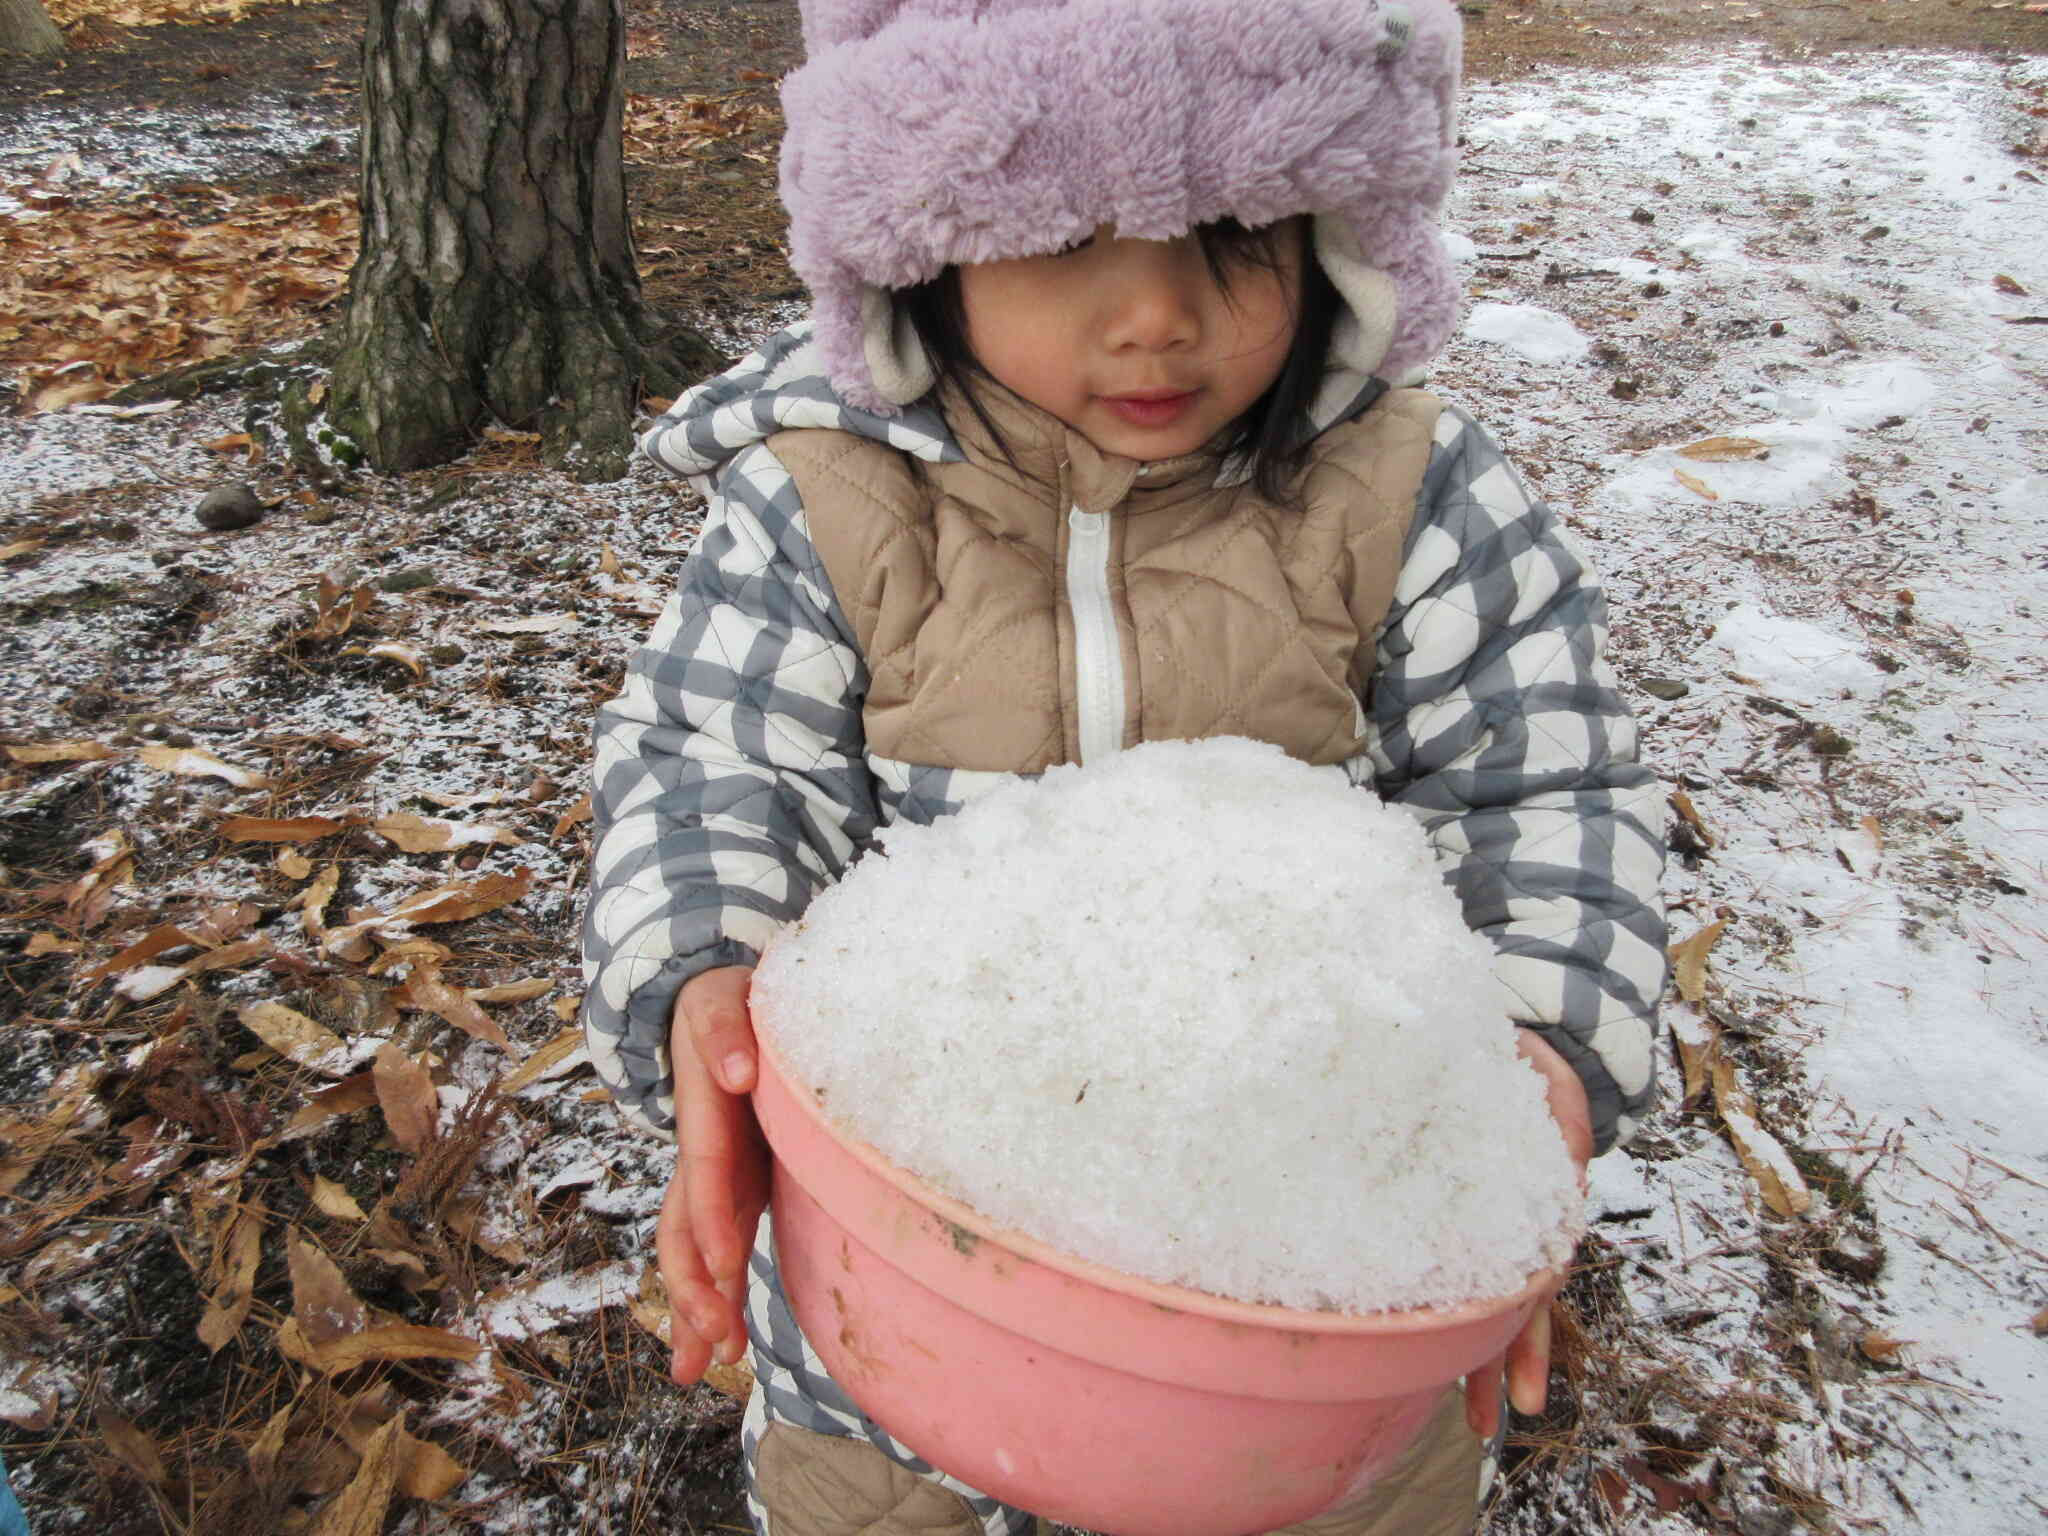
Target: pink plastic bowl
pixel 1080 1393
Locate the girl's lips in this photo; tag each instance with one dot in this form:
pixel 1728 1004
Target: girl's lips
pixel 1148 409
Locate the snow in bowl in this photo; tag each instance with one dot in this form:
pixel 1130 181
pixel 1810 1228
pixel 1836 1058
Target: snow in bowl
pixel 1225 1164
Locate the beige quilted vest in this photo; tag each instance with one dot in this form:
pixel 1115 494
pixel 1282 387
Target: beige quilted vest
pixel 1233 617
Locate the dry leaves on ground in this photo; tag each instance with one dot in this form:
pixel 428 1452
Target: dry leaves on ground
pixel 96 293
pixel 152 13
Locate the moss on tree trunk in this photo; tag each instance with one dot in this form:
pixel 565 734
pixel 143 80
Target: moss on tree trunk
pixel 496 277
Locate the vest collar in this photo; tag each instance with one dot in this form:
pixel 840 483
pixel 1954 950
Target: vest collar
pixel 1054 460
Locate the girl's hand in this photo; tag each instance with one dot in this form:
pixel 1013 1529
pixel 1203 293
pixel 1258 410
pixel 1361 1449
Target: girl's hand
pixel 714 1202
pixel 1527 1359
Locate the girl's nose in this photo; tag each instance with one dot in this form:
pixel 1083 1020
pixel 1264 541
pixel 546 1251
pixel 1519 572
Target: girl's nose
pixel 1155 299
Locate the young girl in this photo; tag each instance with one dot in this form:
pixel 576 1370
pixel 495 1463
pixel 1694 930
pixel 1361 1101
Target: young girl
pixel 1093 437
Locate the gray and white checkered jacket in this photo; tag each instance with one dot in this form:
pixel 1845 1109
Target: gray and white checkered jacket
pixel 732 780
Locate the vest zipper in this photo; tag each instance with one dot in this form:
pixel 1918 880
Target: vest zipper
pixel 1098 657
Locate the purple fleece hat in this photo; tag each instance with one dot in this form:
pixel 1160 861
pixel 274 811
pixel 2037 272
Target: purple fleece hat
pixel 927 133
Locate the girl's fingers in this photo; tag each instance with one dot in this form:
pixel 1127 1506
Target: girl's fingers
pixel 714 1201
pixel 714 1011
pixel 714 1137
pixel 1529 1364
pixel 694 1304
pixel 1482 1399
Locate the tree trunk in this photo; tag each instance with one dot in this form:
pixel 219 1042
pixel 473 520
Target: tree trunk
pixel 495 280
pixel 25 27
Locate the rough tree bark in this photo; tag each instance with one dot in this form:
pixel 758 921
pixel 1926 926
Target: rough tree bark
pixel 25 27
pixel 496 277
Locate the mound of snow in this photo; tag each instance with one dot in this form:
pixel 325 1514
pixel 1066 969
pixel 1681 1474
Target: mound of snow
pixel 1792 659
pixel 1527 330
pixel 1200 1013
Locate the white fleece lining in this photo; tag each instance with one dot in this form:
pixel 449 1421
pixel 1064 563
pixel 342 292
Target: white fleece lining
pixel 895 357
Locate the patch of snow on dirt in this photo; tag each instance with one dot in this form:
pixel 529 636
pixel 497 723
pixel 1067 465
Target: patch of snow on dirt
pixel 1851 682
pixel 146 146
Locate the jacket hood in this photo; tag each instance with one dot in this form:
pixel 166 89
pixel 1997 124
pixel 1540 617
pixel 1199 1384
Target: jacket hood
pixel 779 386
pixel 783 385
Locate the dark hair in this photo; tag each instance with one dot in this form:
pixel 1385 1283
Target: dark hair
pixel 1274 434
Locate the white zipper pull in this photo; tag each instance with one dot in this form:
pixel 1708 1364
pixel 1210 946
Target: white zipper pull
pixel 1098 656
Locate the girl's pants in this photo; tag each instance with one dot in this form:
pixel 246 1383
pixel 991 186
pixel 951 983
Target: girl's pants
pixel 818 1466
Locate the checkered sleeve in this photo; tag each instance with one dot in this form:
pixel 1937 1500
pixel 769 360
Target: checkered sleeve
pixel 730 783
pixel 1495 718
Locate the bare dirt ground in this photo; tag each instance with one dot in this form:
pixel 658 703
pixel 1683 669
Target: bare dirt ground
pixel 234 1240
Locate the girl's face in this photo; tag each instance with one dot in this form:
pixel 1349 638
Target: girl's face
pixel 1133 343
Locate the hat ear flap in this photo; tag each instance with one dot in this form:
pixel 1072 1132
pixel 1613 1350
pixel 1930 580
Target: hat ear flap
pixel 1365 330
pixel 896 359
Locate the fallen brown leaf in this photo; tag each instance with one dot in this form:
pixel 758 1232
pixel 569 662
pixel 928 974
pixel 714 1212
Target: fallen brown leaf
pixel 14 551
pixel 443 904
pixel 68 1111
pixel 1681 802
pixel 324 1306
pixel 432 834
pixel 511 991
pixel 1696 485
pixel 150 981
pixel 544 1061
pixel 650 1307
pixel 416 950
pixel 191 762
pixel 132 1446
pixel 425 991
pixel 407 656
pixel 157 941
pixel 336 608
pixel 359 1509
pixel 274 829
pixel 405 1090
pixel 27 1401
pixel 1881 1347
pixel 237 1254
pixel 330 1199
pixel 579 812
pixel 60 752
pixel 1779 1182
pixel 229 956
pixel 313 900
pixel 1689 960
pixel 297 1038
pixel 1669 1495
pixel 54 397
pixel 87 898
pixel 1726 450
pixel 386 1341
pixel 349 1096
pixel 1698 1039
pixel 265 1449
pixel 425 1470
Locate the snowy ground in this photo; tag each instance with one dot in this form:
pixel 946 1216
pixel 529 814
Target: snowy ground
pixel 1830 636
pixel 1841 252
